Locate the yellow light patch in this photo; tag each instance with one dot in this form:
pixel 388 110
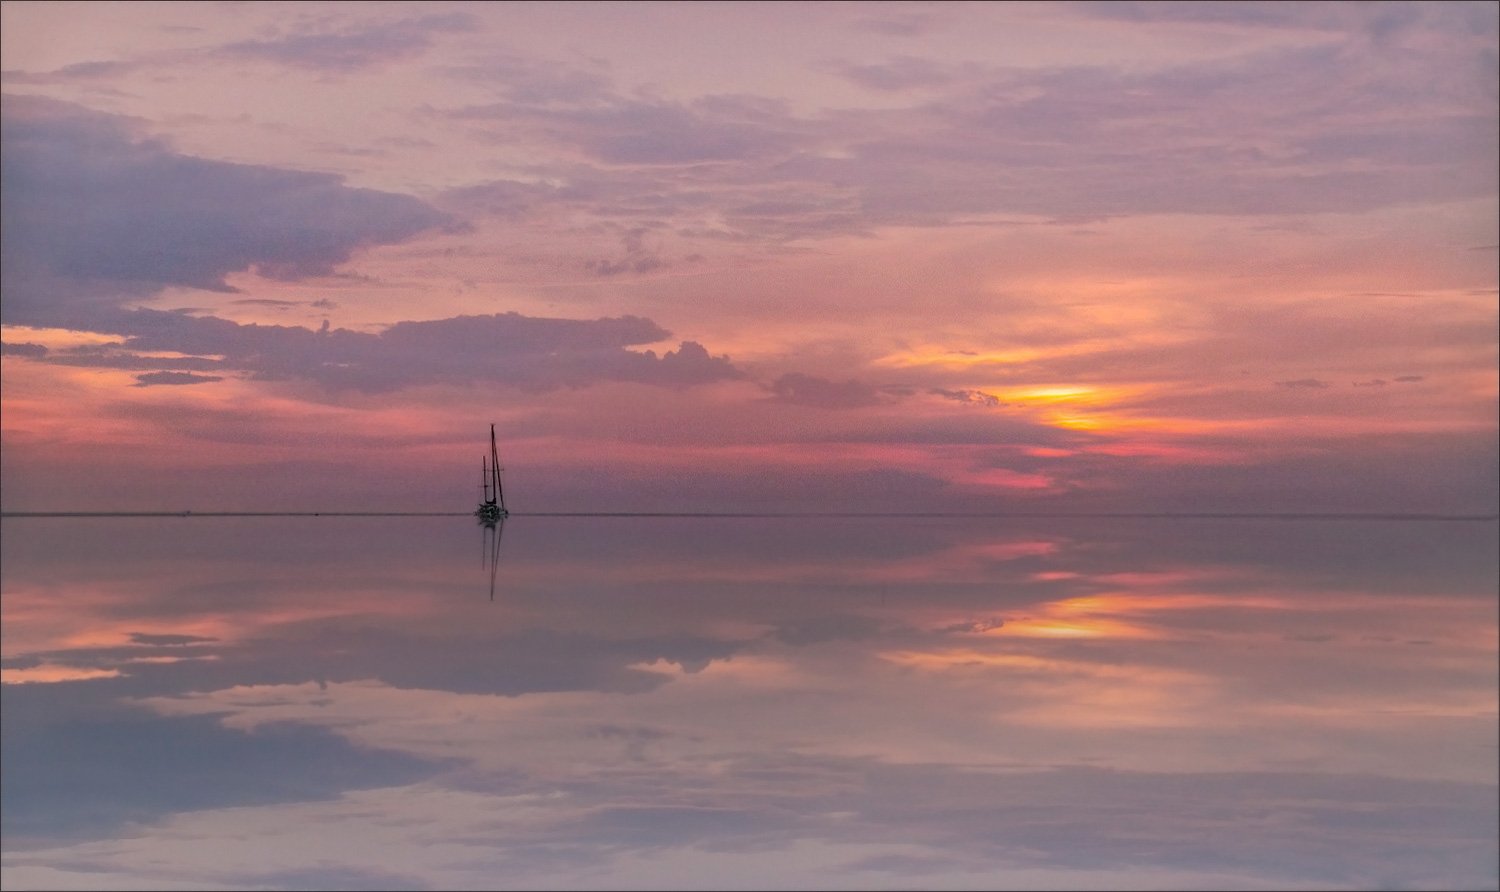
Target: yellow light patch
pixel 1051 394
pixel 52 673
pixel 54 338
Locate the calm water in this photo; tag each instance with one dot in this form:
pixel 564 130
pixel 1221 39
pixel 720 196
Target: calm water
pixel 748 703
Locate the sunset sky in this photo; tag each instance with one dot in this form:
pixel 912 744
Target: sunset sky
pixel 759 256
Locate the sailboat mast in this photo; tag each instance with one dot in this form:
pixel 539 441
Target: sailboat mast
pixel 495 469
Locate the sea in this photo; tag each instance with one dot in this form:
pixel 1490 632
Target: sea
pixel 748 702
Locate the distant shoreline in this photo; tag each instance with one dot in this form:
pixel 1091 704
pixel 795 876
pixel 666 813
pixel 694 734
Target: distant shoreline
pixel 1103 515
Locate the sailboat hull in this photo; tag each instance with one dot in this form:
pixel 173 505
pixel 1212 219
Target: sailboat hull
pixel 492 507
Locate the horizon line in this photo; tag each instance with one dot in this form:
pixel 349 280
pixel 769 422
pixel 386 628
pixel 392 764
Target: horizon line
pixel 1185 515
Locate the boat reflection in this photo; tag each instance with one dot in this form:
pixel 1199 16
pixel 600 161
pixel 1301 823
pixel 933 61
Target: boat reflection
pixel 493 529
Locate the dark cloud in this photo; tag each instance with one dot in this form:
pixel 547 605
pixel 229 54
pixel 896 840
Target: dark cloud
pixel 1331 127
pixel 534 81
pixel 503 198
pixel 93 216
pixel 710 128
pixel 972 397
pixel 33 351
pixel 152 379
pixel 116 356
pixel 743 204
pixel 330 52
pixel 821 393
pixel 1379 21
pixel 343 876
pixel 898 22
pixel 607 170
pixel 660 826
pixel 95 69
pixel 1304 383
pixel 78 71
pixel 1409 379
pixel 1090 141
pixel 632 131
pixel 168 640
pixel 900 73
pixel 127 766
pixel 525 351
pixel 267 302
pixel 904 865
pixel 638 257
pixel 1347 132
pixel 353 49
pixel 973 626
pixel 832 627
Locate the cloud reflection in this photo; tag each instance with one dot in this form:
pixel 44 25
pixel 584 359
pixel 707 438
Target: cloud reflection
pixel 662 702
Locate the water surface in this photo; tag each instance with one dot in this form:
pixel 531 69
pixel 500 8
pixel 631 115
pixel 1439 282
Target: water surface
pixel 368 702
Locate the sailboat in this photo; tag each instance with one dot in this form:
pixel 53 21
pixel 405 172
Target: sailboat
pixel 492 505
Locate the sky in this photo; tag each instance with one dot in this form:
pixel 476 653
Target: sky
pixel 750 256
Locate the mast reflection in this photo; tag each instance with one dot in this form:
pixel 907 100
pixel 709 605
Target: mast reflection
pixel 493 530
